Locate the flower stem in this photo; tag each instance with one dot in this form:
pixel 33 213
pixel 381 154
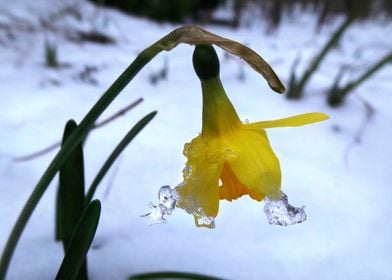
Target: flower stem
pixel 74 139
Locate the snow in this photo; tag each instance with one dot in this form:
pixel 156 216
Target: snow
pixel 344 186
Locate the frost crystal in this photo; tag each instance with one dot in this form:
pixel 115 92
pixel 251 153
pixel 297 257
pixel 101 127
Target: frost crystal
pixel 168 198
pixel 280 212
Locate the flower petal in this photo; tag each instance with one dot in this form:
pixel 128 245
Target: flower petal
pixel 297 120
pixel 254 163
pixel 199 192
pixel 232 188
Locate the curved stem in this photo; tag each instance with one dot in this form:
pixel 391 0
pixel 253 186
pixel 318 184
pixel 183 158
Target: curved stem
pixel 77 136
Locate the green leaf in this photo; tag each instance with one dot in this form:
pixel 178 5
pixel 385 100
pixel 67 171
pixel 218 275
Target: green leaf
pixel 172 275
pixel 168 42
pixel 58 230
pixel 299 88
pixel 71 189
pixel 68 146
pixel 116 152
pixel 70 197
pixel 80 242
pixel 337 95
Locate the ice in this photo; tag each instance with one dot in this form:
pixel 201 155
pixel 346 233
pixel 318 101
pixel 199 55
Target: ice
pixel 186 172
pixel 167 202
pixel 280 212
pixel 204 220
pixel 156 215
pixel 168 198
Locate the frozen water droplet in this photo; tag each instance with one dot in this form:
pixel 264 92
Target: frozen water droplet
pixel 156 215
pixel 187 171
pixel 168 198
pixel 186 150
pixel 203 220
pixel 280 212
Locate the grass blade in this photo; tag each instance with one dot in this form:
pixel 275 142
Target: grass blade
pixel 80 242
pixel 116 152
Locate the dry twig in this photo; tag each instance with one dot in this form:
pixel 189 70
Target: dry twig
pixel 97 125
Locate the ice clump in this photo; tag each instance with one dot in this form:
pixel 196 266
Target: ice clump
pixel 167 202
pixel 280 212
pixel 204 220
pixel 168 197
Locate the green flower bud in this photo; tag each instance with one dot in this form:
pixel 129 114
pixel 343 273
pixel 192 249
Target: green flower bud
pixel 205 62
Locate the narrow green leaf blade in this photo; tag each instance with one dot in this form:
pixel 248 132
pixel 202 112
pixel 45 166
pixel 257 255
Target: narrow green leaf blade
pixel 80 242
pixel 117 151
pixel 79 134
pixel 70 197
pixel 58 224
pixel 71 189
pixel 172 275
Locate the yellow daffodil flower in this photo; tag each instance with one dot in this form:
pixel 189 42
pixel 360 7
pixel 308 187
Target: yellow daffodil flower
pixel 229 158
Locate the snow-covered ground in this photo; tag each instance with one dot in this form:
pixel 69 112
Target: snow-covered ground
pixel 345 185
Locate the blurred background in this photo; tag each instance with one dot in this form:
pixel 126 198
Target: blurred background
pixel 58 57
pixel 199 11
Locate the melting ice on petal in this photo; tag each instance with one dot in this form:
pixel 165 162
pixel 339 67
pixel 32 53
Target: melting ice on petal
pixel 167 202
pixel 203 220
pixel 280 212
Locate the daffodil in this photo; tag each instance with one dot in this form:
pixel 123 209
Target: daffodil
pixel 229 159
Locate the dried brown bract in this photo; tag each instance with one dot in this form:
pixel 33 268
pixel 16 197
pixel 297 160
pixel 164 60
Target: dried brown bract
pixel 195 35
